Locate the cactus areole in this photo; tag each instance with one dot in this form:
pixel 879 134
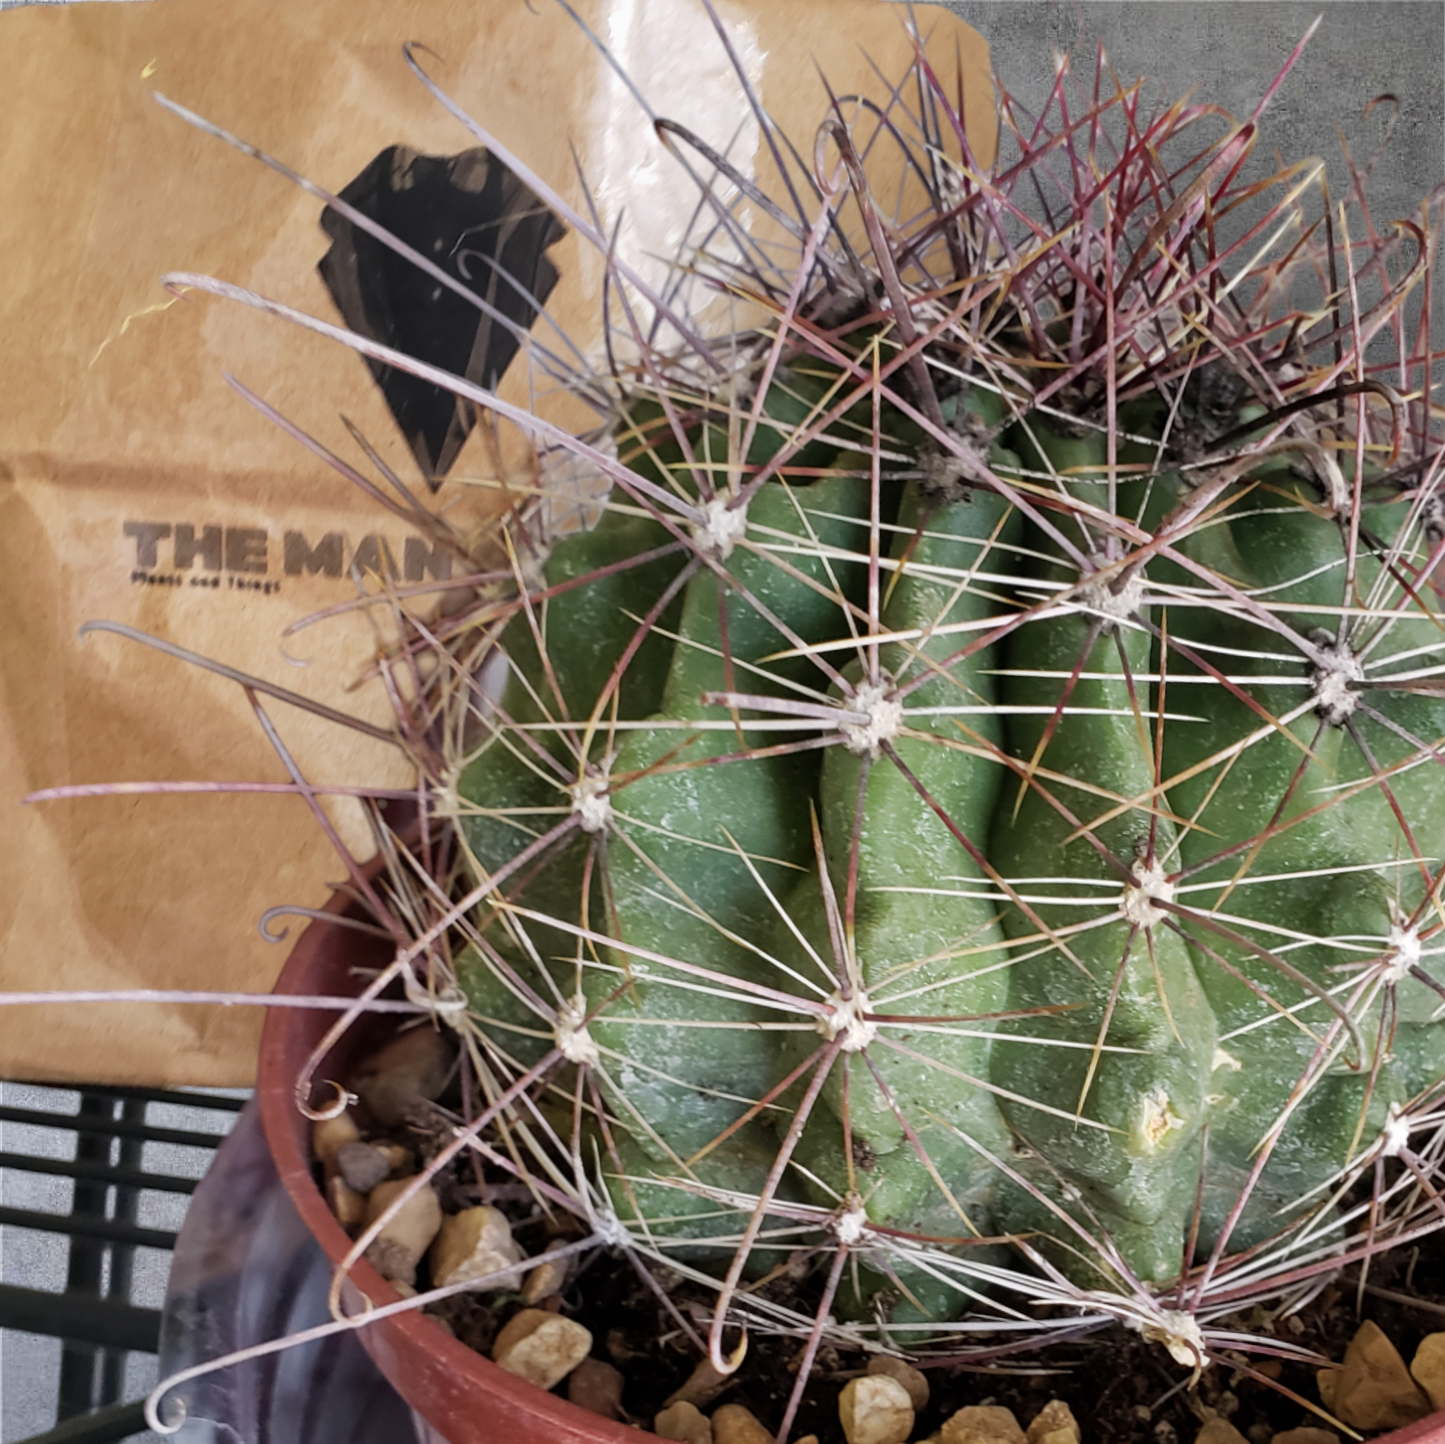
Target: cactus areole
pixel 969 816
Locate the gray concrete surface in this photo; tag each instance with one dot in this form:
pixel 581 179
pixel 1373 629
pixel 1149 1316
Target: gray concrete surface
pixel 1228 51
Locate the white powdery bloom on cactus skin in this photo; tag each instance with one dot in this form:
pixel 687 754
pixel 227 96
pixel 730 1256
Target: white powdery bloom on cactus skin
pixel 610 1230
pixel 1404 952
pixel 445 1002
pixel 722 527
pixel 1101 600
pixel 573 1040
pixel 1395 1135
pixel 1179 1332
pixel 591 803
pixel 1157 1118
pixel 1335 697
pixel 846 1021
pixel 884 714
pixel 850 1223
pixel 1141 898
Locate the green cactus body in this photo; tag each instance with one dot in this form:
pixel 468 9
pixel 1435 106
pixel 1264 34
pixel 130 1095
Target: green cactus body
pixel 1132 1032
pixel 509 793
pixel 1146 1026
pixel 1110 1092
pixel 1324 890
pixel 584 630
pixel 1066 942
pixel 703 849
pixel 512 790
pixel 926 941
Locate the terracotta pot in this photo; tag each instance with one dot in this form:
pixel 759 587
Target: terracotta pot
pixel 1427 1431
pixel 465 1397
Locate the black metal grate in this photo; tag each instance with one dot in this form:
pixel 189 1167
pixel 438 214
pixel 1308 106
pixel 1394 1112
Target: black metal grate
pixel 90 1179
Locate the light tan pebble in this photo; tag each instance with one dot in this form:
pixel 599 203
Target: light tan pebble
pixel 914 1380
pixel 1306 1435
pixel 413 1067
pixel 1054 1424
pixel 362 1165
pixel 683 1422
pixel 1428 1368
pixel 473 1243
pixel 347 1204
pixel 398 1156
pixel 405 1238
pixel 733 1424
pixel 1327 1381
pixel 407 1291
pixel 982 1424
pixel 807 1439
pixel 1374 1390
pixel 875 1409
pixel 541 1348
pixel 330 1135
pixel 701 1386
pixel 1219 1431
pixel 596 1386
pixel 544 1281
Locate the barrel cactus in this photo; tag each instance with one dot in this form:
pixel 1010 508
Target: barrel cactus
pixel 966 819
pixel 970 811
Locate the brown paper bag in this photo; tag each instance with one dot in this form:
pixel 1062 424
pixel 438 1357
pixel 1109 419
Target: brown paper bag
pixel 137 486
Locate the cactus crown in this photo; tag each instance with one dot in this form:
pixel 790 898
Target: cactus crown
pixel 968 817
